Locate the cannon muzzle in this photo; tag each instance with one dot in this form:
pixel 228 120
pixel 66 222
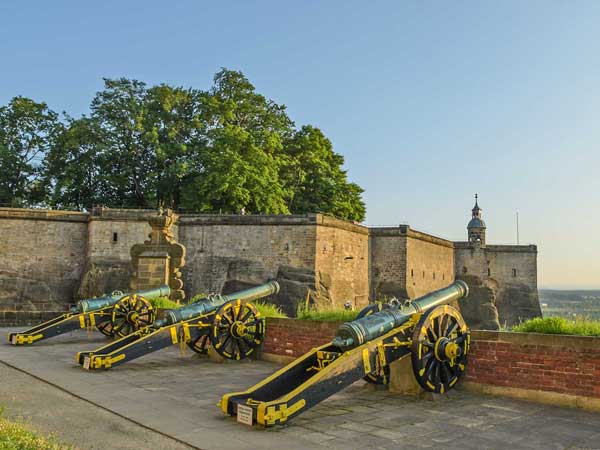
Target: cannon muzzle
pixel 213 302
pixel 355 333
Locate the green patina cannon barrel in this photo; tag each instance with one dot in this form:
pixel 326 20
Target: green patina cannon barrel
pixel 213 302
pixel 355 333
pixel 94 304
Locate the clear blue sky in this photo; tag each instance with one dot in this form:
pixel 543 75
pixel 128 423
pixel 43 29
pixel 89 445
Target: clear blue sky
pixel 429 102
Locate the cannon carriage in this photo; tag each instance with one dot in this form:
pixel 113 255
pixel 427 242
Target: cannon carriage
pixel 117 314
pixel 230 323
pixel 427 329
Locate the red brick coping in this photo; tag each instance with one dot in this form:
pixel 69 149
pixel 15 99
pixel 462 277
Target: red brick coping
pixel 545 362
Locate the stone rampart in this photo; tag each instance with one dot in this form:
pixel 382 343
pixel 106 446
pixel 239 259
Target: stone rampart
pixel 49 259
pixel 42 254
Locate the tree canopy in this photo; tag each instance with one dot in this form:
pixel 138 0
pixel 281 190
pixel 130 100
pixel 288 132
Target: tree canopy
pixel 221 150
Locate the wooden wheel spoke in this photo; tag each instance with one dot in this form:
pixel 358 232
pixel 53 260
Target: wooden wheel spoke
pixel 444 326
pixel 248 342
pixel 446 373
pixel 226 340
pixel 428 344
pixel 429 368
pixel 245 318
pixel 436 373
pixel 251 323
pixel 438 327
pixel 452 328
pixel 430 335
pixel 459 339
pixel 226 318
pixel 230 314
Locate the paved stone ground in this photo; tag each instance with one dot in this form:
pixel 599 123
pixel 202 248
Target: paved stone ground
pixel 176 395
pixel 77 422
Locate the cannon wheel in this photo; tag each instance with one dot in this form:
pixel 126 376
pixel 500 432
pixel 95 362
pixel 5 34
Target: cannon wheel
pixel 200 344
pixel 440 345
pixel 106 328
pixel 237 330
pixel 130 314
pixel 382 374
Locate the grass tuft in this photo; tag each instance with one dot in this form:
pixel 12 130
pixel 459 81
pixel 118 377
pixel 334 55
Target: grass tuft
pixel 18 436
pixel 164 303
pixel 580 326
pixel 325 313
pixel 269 310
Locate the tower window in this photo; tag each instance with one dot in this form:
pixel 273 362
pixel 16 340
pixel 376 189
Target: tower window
pixel 412 273
pixel 443 276
pixel 423 274
pixel 464 270
pixel 514 273
pixel 115 237
pixel 434 275
pixel 489 272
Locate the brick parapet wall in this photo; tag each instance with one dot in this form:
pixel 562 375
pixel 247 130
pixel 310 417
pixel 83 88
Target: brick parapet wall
pixel 293 338
pixel 562 364
pixel 567 365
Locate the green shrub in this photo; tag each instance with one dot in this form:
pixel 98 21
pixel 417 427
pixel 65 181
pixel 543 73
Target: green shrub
pixel 325 314
pixel 580 326
pixel 17 436
pixel 164 303
pixel 269 310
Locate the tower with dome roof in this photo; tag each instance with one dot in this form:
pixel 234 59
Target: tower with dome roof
pixel 476 226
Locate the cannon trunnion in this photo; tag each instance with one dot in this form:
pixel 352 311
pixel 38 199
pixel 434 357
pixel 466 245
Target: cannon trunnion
pixel 117 314
pixel 428 329
pixel 230 323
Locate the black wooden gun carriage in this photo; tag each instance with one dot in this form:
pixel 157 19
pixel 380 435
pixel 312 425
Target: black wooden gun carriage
pixel 428 328
pixel 117 314
pixel 231 323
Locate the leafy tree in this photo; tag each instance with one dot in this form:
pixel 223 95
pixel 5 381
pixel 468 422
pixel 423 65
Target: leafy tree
pixel 27 132
pixel 75 165
pixel 223 149
pixel 316 179
pixel 119 111
pixel 238 165
pixel 177 133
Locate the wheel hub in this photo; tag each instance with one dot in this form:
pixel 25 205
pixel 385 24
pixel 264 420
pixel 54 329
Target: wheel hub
pixel 132 317
pixel 446 350
pixel 238 329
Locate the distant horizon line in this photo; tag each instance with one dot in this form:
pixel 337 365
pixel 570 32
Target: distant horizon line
pixel 548 288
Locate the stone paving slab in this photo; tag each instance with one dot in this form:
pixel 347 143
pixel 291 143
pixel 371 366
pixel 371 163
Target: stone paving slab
pixel 176 394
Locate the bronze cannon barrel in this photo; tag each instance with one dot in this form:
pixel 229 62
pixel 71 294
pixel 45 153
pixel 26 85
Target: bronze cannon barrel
pixel 213 302
pixel 93 304
pixel 355 333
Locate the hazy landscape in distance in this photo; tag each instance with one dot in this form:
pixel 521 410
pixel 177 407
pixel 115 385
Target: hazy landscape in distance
pixel 570 303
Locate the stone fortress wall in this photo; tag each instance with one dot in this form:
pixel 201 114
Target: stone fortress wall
pixel 406 263
pixel 510 273
pixel 48 259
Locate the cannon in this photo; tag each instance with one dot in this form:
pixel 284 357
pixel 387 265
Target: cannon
pixel 428 329
pixel 231 323
pixel 117 314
